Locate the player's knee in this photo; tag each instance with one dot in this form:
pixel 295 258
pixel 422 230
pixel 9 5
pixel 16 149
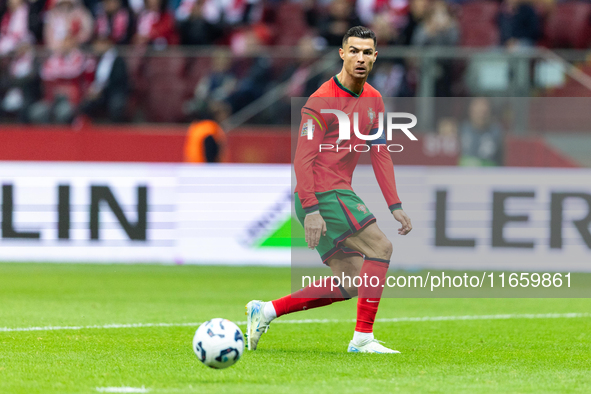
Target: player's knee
pixel 384 249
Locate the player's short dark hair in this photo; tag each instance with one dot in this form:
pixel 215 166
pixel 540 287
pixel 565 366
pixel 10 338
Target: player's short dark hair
pixel 360 32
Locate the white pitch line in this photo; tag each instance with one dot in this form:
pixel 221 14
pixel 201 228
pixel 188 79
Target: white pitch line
pixel 132 325
pixel 122 389
pixel 317 321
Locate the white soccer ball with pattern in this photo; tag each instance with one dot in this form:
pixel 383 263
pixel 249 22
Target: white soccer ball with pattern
pixel 218 343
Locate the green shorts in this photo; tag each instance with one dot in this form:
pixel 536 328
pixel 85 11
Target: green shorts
pixel 344 213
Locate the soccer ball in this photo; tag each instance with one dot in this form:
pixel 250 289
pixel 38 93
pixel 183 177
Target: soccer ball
pixel 218 343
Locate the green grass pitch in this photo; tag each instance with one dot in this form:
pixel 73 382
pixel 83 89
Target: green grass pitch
pixel 512 355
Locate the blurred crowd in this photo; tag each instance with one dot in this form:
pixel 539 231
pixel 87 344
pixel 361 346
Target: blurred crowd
pixel 475 135
pixel 61 60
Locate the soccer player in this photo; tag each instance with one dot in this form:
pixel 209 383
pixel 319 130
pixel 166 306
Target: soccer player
pixel 336 221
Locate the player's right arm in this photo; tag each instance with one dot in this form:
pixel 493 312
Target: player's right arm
pixel 383 167
pixel 306 152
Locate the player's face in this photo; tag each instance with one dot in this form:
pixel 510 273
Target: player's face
pixel 359 55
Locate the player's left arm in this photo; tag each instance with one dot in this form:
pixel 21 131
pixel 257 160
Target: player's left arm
pixel 383 168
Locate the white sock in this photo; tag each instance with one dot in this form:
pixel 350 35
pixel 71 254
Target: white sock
pixel 361 338
pixel 269 311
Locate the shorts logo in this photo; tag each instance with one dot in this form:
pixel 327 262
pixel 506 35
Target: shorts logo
pixel 362 208
pixel 306 129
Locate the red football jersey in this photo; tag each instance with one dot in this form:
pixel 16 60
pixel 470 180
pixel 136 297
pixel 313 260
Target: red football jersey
pixel 319 168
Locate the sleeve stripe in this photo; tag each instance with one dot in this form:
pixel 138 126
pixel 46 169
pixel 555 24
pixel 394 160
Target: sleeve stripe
pixel 311 209
pixel 395 207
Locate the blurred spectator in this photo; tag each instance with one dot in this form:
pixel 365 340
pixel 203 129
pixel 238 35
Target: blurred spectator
pixel 109 90
pixel 445 141
pixel 448 128
pixel 205 143
pixel 67 18
pixel 37 18
pixel 395 11
pixel 310 12
pixel 137 6
pixel 519 24
pixel 14 27
pixel 156 25
pixel 193 27
pixel 216 86
pixel 21 82
pixel 65 75
pixel 115 20
pixel 301 84
pixel 341 17
pixel 201 22
pixel 232 13
pixel 447 133
pixel 481 137
pixel 255 81
pixel 388 75
pixel 386 33
pixel 250 40
pixel 439 28
pixel 417 11
pixel 390 79
pixel 299 79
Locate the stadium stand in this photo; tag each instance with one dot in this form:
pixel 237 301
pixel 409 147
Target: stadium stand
pixel 478 24
pixel 569 25
pixel 256 50
pixel 266 26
